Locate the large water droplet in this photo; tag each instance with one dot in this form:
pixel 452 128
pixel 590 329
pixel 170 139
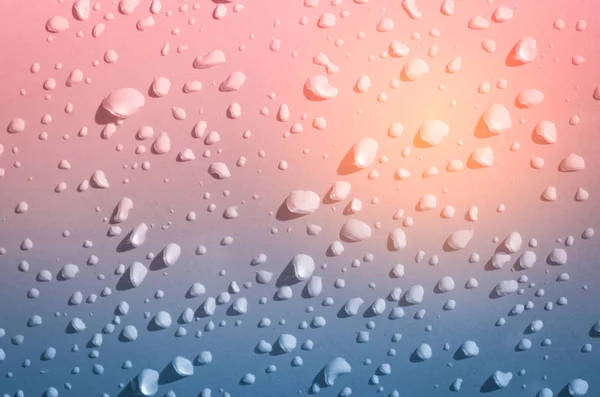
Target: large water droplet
pixel 146 382
pixel 124 102
pixel 525 51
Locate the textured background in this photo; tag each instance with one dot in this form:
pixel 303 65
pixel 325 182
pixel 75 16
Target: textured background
pixel 164 194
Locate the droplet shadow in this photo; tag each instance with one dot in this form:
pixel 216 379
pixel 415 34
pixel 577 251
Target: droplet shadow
pixel 151 93
pixel 512 60
pixel 519 105
pixel 287 277
pixel 70 329
pixel 564 392
pixel 369 313
pixel 113 216
pixel 123 339
pixel 489 385
pixel 538 140
pixel 447 248
pixel 517 265
pixel 125 244
pixel 201 312
pixel 169 375
pixel 90 344
pixel 329 253
pixel 342 313
pixel 528 330
pixel 404 76
pixel 348 210
pixel 231 312
pixel 128 392
pixel 414 358
pixel 419 143
pixel 494 294
pixel 453 387
pixel 459 355
pixel 124 282
pixel 404 302
pixel 153 326
pixel 305 293
pixel 60 277
pixel 319 379
pixel 489 265
pixel 181 319
pixel 283 214
pixel 327 197
pixel 519 349
pixel 158 263
pixel 474 165
pixel 277 350
pixel 104 117
pixel 481 130
pixel 545 199
pixel 347 166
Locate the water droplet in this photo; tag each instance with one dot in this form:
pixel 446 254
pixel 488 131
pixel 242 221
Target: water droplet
pixel 318 87
pixel 162 144
pixel 385 25
pixel 459 239
pixel 447 7
pixel 137 273
pixel 336 367
pixel 210 59
pixel 571 163
pixel 57 24
pixel 454 65
pixel 146 382
pixel 302 202
pixel 411 9
pixel 497 118
pixel 365 152
pixel 327 20
pixel 219 171
pixel 127 7
pixel 525 51
pixel 303 266
pixel 182 366
pixel 424 352
pixel 233 82
pixel 398 49
pixel 81 10
pixel 484 156
pixel 363 84
pixel 545 132
pixel 502 379
pixel 415 69
pixel 124 102
pixel 502 14
pixel 530 97
pixel 355 230
pixel 433 132
pixel 478 23
pixel 16 125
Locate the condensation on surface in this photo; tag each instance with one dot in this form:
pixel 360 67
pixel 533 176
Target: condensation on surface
pixel 345 197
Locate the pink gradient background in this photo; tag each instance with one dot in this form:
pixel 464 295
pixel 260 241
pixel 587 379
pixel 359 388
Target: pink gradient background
pixel 510 181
